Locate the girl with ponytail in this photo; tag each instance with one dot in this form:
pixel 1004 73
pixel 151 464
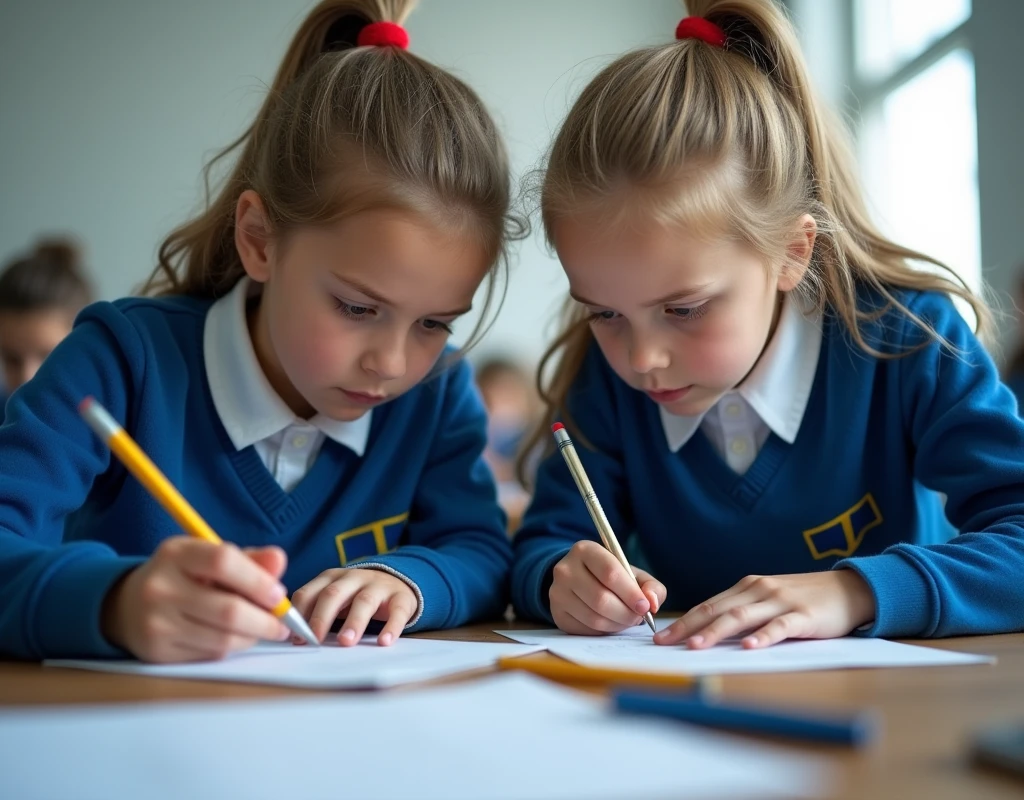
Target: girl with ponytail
pixel 288 370
pixel 771 393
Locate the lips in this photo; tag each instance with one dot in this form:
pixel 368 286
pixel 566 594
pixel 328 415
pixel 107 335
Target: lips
pixel 364 398
pixel 668 395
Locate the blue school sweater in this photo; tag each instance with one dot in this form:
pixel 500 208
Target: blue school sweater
pixel 72 520
pixel 853 491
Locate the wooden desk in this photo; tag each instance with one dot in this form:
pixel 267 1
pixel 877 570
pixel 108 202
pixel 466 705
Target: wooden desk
pixel 929 714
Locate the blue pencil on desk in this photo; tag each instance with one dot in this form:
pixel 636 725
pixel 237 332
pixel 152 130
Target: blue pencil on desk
pixel 853 730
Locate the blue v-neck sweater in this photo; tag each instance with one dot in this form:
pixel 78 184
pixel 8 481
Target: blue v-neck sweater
pixel 853 491
pixel 72 520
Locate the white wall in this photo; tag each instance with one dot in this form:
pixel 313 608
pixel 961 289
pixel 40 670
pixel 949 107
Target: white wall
pixel 108 109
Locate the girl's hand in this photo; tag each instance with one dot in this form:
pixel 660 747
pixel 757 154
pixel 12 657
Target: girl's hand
pixel 195 601
pixel 817 605
pixel 591 594
pixel 358 595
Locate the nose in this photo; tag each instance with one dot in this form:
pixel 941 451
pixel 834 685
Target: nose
pixel 647 353
pixel 386 357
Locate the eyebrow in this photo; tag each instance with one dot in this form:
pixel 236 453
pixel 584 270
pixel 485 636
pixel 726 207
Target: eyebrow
pixel 376 297
pixel 672 297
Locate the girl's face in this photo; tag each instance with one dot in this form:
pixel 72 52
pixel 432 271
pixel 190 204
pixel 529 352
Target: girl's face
pixel 678 317
pixel 27 338
pixel 356 313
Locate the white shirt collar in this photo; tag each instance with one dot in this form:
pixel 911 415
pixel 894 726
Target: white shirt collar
pixel 248 406
pixel 778 387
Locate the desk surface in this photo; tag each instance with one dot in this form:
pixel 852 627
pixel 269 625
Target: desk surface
pixel 929 714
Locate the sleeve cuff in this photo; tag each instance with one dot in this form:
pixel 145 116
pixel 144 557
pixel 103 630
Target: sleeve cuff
pixel 531 580
pixel 405 579
pixel 66 617
pixel 904 599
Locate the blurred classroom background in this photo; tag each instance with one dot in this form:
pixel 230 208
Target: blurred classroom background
pixel 111 108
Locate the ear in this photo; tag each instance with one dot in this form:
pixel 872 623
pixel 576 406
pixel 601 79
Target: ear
pixel 252 236
pixel 798 253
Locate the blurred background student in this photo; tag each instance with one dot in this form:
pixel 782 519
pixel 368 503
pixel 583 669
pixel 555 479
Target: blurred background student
pixel 512 408
pixel 40 294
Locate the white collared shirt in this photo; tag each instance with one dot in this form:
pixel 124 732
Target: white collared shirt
pixel 251 411
pixel 773 398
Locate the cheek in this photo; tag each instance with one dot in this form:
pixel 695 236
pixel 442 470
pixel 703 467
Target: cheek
pixel 725 351
pixel 422 353
pixel 311 343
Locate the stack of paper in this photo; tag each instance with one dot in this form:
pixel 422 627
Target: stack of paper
pixel 365 666
pixel 634 649
pixel 509 736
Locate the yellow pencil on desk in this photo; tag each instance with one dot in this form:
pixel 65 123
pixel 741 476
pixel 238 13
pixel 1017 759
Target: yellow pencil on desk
pixel 567 672
pixel 163 491
pixel 604 528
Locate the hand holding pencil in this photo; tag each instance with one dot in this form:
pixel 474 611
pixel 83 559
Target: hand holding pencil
pixel 594 588
pixel 195 598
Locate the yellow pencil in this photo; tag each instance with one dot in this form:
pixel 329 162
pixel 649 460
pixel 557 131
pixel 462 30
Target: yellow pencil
pixel 604 527
pixel 163 491
pixel 567 672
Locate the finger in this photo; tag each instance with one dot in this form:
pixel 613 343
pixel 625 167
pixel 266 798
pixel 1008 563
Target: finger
pixel 738 619
pixel 569 624
pixel 230 568
pixel 786 626
pixel 602 600
pixel 580 610
pixel 613 576
pixel 364 605
pixel 653 589
pixel 272 559
pixel 699 617
pixel 304 599
pixel 332 601
pixel 198 641
pixel 228 613
pixel 400 610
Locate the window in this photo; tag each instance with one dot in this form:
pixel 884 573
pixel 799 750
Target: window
pixel 914 79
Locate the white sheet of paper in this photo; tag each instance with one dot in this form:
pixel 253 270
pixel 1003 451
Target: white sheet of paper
pixel 635 650
pixel 450 742
pixel 330 666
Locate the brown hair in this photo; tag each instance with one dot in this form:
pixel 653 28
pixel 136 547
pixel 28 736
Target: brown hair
pixel 48 279
pixel 344 129
pixel 728 140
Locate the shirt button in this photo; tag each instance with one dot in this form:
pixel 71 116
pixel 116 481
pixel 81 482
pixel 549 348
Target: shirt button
pixel 300 440
pixel 733 409
pixel 738 446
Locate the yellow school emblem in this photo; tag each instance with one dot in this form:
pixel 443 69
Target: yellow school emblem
pixel 842 536
pixel 367 540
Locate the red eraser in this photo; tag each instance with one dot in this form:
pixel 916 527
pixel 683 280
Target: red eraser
pixel 557 427
pixel 84 405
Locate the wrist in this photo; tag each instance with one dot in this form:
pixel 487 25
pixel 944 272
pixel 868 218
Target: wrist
pixel 860 598
pixel 111 622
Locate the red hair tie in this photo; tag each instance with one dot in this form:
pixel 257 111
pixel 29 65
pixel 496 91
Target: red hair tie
pixel 383 34
pixel 700 28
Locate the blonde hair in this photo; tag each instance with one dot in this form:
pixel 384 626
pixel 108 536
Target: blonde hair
pixel 732 141
pixel 344 129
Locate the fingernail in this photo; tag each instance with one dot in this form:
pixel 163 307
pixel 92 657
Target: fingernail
pixel 641 606
pixel 348 635
pixel 386 639
pixel 276 594
pixel 697 640
pixel 284 634
pixel 750 641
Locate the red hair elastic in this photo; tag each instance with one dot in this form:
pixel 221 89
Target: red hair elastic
pixel 700 28
pixel 383 34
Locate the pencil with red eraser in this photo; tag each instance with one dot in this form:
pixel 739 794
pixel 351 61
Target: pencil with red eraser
pixel 604 528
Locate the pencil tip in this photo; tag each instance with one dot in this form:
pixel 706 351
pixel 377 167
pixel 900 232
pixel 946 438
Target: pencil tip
pixel 650 621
